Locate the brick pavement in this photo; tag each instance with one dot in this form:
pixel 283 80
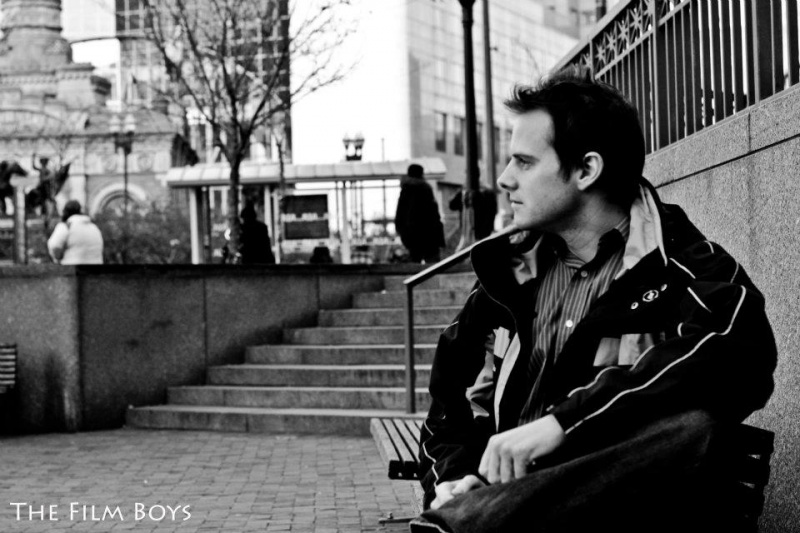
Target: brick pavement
pixel 141 479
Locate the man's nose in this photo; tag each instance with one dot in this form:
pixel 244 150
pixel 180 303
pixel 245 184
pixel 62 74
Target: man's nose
pixel 506 181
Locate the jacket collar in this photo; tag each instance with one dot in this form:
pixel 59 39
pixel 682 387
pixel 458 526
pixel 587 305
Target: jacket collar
pixel 646 235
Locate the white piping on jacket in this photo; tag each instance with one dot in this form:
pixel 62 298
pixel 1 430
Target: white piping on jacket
pixel 425 451
pixel 696 297
pixel 652 380
pixel 683 268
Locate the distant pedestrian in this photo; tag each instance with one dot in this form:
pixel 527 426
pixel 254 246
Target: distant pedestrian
pixel 76 240
pixel 485 204
pixel 254 242
pixel 417 218
pixel 321 255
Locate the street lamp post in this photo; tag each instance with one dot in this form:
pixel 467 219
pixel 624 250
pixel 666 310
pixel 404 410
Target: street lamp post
pixel 357 144
pixel 472 184
pixel 123 139
pixel 352 152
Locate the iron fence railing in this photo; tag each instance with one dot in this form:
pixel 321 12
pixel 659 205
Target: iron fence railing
pixel 687 64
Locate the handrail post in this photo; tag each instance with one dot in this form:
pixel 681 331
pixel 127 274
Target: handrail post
pixel 409 322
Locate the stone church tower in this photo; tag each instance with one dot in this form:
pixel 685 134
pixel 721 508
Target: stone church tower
pixel 37 60
pixel 53 108
pixel 32 40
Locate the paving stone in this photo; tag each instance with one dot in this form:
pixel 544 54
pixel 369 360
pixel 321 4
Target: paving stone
pixel 231 481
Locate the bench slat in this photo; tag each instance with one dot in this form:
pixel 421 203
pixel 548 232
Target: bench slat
pixel 401 470
pixel 385 447
pixel 8 367
pixel 415 427
pixel 411 442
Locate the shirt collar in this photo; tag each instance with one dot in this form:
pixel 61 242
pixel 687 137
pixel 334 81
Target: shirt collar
pixel 641 232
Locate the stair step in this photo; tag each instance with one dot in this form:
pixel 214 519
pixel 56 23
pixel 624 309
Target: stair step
pixel 422 298
pixel 301 397
pixel 462 281
pixel 363 354
pixel 361 335
pixel 316 375
pixel 349 422
pixel 386 317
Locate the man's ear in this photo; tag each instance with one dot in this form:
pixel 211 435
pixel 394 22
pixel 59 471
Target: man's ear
pixel 591 170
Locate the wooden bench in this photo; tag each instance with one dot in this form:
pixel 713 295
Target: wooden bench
pixel 8 367
pixel 742 465
pixel 398 444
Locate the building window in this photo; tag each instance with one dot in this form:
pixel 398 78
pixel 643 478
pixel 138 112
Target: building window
pixel 458 136
pixel 441 132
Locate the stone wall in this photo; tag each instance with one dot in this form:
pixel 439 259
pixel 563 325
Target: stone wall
pixel 738 182
pixel 94 339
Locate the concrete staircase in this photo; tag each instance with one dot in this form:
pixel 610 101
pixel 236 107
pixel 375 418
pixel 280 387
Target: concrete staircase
pixel 329 379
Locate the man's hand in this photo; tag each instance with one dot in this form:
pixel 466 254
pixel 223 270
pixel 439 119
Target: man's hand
pixel 508 454
pixel 446 490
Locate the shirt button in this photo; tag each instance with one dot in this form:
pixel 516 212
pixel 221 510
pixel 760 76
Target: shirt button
pixel 569 323
pixel 664 287
pixel 584 273
pixel 634 305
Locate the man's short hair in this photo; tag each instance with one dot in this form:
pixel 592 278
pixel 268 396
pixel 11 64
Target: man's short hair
pixel 589 116
pixel 415 170
pixel 72 207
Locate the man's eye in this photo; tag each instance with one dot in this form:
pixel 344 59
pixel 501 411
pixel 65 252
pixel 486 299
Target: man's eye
pixel 524 164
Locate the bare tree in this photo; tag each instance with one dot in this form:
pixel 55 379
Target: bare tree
pixel 230 61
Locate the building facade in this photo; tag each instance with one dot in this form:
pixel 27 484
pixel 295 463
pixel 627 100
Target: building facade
pixel 54 108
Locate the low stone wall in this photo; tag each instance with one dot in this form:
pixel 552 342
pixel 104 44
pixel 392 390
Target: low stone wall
pixel 94 339
pixel 738 182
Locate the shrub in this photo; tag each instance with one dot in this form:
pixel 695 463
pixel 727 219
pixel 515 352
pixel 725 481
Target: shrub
pixel 156 234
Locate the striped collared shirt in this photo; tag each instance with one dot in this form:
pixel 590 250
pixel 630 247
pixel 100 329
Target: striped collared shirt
pixel 568 287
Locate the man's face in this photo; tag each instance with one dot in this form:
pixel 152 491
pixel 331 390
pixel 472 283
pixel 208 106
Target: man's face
pixel 542 197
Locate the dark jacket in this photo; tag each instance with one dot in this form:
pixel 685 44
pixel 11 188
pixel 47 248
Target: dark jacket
pixel 417 217
pixel 710 347
pixel 255 245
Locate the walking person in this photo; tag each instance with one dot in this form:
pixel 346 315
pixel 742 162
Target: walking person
pixel 255 245
pixel 76 240
pixel 417 218
pixel 603 348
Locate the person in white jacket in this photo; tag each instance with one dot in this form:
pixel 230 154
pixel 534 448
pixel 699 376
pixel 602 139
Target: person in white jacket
pixel 76 240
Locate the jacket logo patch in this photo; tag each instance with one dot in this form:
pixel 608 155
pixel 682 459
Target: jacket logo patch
pixel 649 296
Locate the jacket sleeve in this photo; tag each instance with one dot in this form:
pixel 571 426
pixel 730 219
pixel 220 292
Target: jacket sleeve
pixel 720 357
pixel 452 438
pixel 58 242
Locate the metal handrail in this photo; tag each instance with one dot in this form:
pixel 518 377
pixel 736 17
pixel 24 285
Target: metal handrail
pixel 412 282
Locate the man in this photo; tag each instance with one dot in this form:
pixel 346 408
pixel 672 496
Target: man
pixel 255 245
pixel 602 348
pixel 417 218
pixel 76 240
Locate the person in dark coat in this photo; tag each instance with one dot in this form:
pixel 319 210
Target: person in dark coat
pixel 485 204
pixel 254 245
pixel 417 218
pixel 604 351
